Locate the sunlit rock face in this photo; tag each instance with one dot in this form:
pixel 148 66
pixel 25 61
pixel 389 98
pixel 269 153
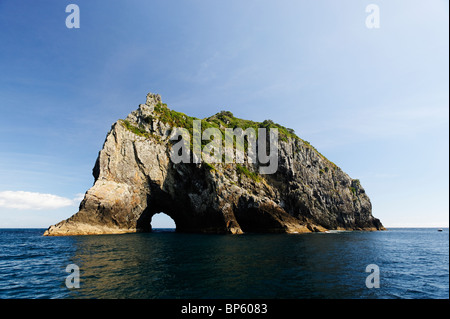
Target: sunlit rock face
pixel 135 178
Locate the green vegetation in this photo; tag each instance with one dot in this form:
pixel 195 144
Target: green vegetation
pixel 134 129
pixel 174 118
pixel 208 166
pixel 284 133
pixel 221 121
pixel 242 170
pixel 226 119
pixel 353 190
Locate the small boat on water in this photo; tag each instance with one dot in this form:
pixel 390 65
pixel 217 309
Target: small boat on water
pixel 439 229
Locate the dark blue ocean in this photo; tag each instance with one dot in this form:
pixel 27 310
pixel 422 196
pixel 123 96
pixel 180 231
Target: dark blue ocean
pixel 413 264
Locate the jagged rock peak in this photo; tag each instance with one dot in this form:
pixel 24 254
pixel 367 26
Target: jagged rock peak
pixel 153 99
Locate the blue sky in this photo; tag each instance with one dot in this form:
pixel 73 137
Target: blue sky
pixel 373 101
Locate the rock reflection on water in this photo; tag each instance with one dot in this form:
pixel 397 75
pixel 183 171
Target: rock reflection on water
pixel 174 265
pixel 158 265
pixel 177 265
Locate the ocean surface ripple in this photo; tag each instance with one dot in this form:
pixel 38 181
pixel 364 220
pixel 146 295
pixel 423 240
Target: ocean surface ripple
pixel 413 264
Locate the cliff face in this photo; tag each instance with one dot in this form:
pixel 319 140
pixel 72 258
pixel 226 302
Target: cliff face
pixel 135 179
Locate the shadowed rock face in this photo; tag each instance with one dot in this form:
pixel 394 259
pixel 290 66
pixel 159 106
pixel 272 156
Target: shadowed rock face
pixel 135 179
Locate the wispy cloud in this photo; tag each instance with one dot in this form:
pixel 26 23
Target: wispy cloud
pixel 35 201
pixel 206 70
pixel 401 121
pixel 388 122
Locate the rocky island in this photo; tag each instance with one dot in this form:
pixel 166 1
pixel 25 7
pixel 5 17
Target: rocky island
pixel 135 179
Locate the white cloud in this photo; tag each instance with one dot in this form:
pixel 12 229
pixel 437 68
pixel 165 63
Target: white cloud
pixel 78 198
pixel 35 201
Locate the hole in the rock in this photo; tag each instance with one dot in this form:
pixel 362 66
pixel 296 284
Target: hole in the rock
pixel 161 222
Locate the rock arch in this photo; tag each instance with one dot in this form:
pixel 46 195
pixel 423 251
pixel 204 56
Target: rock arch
pixel 135 179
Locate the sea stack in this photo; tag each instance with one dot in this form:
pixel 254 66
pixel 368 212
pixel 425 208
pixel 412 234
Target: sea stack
pixel 135 178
